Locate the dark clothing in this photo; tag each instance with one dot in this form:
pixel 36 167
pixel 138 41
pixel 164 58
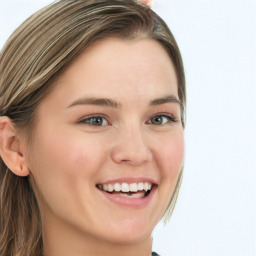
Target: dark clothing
pixel 155 254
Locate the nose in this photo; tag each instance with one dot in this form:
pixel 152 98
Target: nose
pixel 131 147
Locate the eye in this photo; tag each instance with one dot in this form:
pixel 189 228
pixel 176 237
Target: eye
pixel 161 119
pixel 95 121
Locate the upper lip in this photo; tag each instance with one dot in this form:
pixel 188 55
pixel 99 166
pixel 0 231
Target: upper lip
pixel 129 180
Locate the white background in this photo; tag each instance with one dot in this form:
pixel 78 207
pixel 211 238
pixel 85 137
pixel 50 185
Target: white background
pixel 216 210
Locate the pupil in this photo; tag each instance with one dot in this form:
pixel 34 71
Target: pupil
pixel 157 120
pixel 96 121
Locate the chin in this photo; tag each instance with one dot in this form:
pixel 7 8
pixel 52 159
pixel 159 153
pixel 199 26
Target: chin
pixel 131 232
pixel 131 238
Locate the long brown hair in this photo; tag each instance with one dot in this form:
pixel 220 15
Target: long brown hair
pixel 36 53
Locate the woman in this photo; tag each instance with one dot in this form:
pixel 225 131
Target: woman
pixel 91 130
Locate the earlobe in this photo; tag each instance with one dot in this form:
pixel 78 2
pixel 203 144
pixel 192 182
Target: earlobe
pixel 10 148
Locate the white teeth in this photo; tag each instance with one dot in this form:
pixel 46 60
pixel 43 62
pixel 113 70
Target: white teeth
pixel 133 187
pixel 147 186
pixel 125 187
pixel 140 186
pixel 110 188
pixel 117 187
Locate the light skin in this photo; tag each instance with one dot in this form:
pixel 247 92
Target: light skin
pixel 131 87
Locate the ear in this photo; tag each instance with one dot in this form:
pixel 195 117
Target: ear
pixel 10 148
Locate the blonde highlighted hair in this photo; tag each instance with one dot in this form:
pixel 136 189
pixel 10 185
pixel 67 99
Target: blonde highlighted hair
pixel 36 53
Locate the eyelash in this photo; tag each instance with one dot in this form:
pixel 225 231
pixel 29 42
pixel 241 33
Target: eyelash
pixel 96 118
pixel 100 120
pixel 170 119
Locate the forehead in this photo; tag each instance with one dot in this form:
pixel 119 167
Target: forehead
pixel 116 68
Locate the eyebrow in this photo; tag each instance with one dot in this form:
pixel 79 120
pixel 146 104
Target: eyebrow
pixel 113 104
pixel 167 99
pixel 96 101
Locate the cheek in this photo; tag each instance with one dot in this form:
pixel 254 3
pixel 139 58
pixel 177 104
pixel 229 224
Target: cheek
pixel 169 159
pixel 172 155
pixel 66 153
pixel 64 165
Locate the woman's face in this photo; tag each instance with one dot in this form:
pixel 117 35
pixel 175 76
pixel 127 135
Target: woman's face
pixel 112 122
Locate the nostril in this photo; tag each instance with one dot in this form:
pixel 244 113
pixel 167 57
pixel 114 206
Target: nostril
pixel 134 158
pixel 131 147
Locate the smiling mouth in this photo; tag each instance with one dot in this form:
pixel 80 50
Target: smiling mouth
pixel 133 190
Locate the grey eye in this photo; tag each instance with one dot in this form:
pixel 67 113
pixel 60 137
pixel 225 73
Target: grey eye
pixel 161 119
pixel 95 121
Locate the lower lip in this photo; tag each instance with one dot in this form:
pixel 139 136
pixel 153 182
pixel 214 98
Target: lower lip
pixel 130 202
